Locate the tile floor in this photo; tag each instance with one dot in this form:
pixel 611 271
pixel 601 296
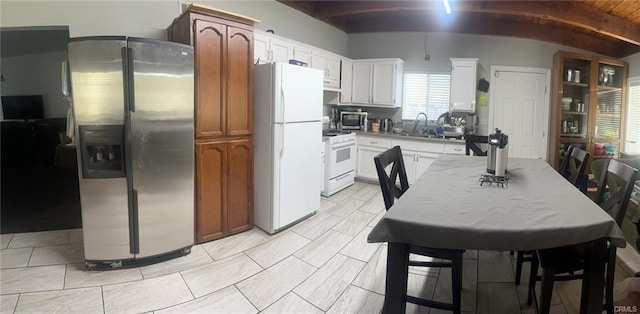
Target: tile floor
pixel 321 265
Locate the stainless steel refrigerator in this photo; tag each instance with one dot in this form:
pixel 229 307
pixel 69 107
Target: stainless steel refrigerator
pixel 132 103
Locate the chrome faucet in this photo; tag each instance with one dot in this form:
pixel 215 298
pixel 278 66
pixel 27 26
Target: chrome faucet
pixel 417 121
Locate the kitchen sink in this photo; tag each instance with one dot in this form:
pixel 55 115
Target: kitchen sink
pixel 417 135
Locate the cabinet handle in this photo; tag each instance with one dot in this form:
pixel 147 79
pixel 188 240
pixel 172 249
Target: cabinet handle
pixel 373 142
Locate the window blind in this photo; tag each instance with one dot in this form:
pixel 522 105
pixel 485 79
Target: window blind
pixel 632 144
pixel 425 92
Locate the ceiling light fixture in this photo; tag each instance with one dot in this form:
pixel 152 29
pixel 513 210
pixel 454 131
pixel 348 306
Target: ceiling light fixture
pixel 446 6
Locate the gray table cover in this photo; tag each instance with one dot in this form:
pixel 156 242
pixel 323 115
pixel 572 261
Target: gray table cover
pixel 538 209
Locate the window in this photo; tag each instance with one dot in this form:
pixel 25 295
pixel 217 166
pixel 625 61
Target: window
pixel 425 92
pixel 632 144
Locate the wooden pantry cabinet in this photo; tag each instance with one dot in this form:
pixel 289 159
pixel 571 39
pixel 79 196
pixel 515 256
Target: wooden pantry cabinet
pixel 593 118
pixel 223 51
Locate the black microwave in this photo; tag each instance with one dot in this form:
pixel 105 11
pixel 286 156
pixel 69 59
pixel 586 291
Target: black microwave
pixel 353 120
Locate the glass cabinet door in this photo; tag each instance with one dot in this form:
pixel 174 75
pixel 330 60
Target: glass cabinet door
pixel 574 101
pixel 607 131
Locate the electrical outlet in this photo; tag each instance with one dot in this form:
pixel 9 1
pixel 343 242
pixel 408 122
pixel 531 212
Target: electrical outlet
pixel 484 121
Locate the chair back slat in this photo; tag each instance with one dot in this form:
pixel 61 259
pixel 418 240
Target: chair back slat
pixel 615 187
pixel 564 166
pixel 388 185
pixel 577 162
pixel 471 144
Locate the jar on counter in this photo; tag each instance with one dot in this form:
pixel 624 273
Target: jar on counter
pixel 375 126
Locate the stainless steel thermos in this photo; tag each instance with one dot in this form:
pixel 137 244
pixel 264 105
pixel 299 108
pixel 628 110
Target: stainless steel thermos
pixel 498 153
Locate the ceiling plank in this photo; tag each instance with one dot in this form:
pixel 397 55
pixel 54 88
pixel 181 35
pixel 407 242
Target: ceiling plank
pixel 480 25
pixel 566 12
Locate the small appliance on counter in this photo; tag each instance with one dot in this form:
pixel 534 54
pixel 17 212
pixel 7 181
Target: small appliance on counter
pixel 353 120
pixel 452 124
pixel 498 153
pixel 386 125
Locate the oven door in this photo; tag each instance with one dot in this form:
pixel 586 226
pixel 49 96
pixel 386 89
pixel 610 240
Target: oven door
pixel 342 158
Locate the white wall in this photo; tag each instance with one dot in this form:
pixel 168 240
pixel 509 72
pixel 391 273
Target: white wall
pixel 490 50
pixel 36 74
pixel 287 22
pixel 146 18
pixel 634 64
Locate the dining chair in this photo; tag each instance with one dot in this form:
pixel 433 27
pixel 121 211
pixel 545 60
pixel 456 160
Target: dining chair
pixel 573 168
pixel 471 142
pixel 614 188
pixel 391 161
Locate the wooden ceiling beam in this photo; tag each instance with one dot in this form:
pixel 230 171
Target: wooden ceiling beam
pixel 567 12
pixel 479 25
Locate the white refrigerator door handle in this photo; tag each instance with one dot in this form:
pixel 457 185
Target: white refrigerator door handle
pixel 284 125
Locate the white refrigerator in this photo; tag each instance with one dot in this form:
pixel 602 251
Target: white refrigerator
pixel 287 133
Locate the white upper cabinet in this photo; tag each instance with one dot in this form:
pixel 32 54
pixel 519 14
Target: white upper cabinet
pixel 302 53
pixel 346 77
pixel 329 64
pixel 464 76
pixel 268 49
pixel 271 48
pixel 377 82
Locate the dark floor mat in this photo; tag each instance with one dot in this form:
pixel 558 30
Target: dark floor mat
pixel 39 199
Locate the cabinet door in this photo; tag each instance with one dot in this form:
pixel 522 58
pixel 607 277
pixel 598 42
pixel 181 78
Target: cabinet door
pixel 383 83
pixel 319 61
pixel 239 79
pixel 361 84
pixel 281 51
pixel 302 53
pixel 365 167
pixel 346 77
pixel 423 161
pixel 211 162
pixel 239 189
pixel 333 68
pixel 209 46
pixel 463 86
pixel 260 48
pixel 454 148
pixel 409 159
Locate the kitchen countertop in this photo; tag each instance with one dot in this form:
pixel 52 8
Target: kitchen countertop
pixel 432 138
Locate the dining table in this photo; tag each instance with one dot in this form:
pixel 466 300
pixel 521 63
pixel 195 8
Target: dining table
pixel 533 207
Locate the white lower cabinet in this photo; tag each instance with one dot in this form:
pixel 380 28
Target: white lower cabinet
pixel 418 156
pixel 454 148
pixel 369 147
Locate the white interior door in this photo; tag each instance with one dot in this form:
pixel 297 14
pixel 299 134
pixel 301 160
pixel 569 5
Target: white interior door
pixel 519 107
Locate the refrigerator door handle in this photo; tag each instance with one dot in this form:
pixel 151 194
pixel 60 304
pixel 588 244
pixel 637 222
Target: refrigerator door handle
pixel 134 240
pixel 284 111
pixel 130 87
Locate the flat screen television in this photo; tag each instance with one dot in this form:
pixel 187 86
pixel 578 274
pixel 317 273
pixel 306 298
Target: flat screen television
pixel 27 107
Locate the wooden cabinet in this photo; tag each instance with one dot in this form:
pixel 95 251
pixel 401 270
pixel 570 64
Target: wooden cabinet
pixel 464 77
pixel 224 188
pixel 593 116
pixel 377 82
pixel 224 53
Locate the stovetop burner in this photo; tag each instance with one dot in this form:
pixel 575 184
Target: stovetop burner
pixel 334 132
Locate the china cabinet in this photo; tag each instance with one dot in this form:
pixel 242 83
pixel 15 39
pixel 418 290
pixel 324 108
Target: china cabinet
pixel 588 105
